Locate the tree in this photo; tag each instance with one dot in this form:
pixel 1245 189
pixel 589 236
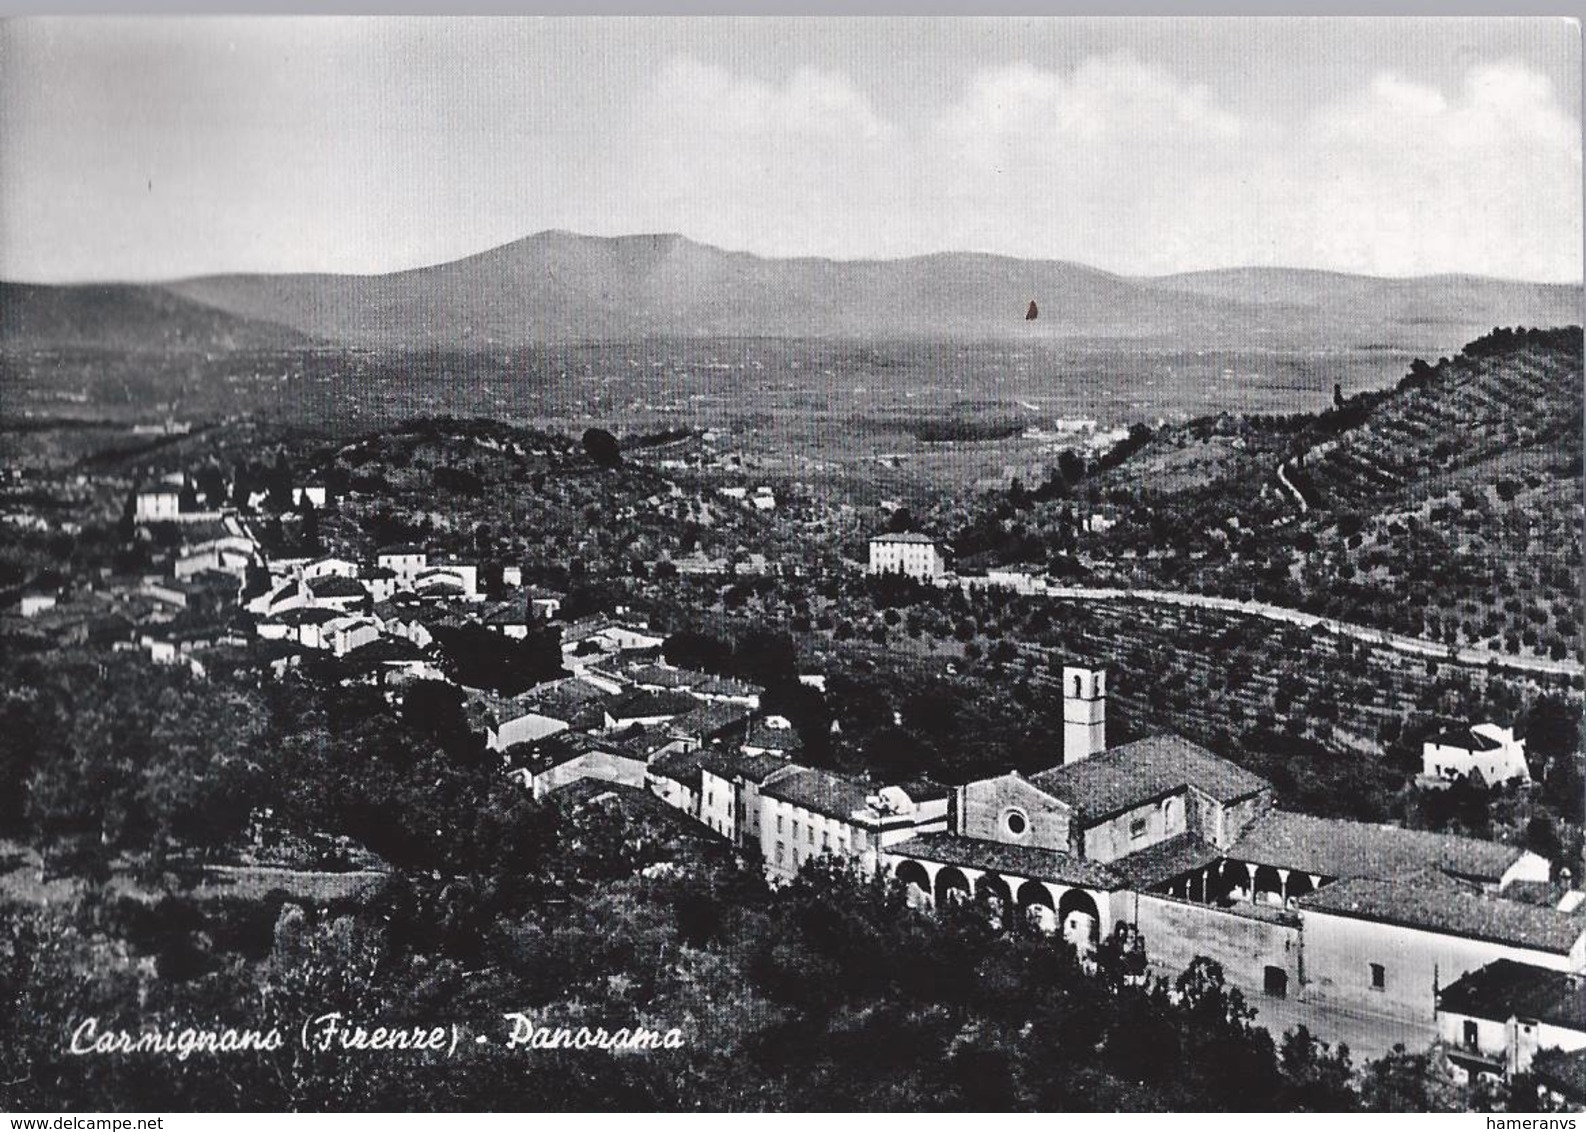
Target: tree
pixel 1316 1078
pixel 601 447
pixel 278 484
pixel 1402 1082
pixel 310 532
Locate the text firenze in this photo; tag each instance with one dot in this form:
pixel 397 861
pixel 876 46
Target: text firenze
pixel 333 1032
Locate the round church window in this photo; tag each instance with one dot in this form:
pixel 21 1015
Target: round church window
pixel 1016 822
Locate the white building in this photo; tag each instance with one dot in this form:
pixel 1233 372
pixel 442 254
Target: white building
pixel 405 561
pixel 161 503
pixel 1493 1021
pixel 1486 748
pixel 918 556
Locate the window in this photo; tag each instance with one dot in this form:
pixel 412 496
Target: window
pixel 826 842
pixel 1472 1034
pixel 1138 828
pixel 1379 977
pixel 811 837
pixel 1016 822
pixel 779 823
pixel 780 852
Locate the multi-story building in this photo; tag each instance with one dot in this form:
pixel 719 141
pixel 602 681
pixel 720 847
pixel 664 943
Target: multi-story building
pixel 916 556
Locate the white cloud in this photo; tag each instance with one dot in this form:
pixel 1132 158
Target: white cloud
pixel 1120 164
pixel 814 103
pixel 1106 97
pixel 1404 179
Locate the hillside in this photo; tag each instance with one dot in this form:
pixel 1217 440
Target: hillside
pixel 1468 300
pixel 1447 508
pixel 560 287
pixel 129 317
pixel 1493 404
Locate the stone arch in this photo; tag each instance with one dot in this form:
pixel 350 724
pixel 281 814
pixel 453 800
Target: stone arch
pixel 1036 904
pixel 1268 880
pixel 914 878
pixel 1300 884
pixel 1223 879
pixel 992 889
pixel 1080 918
pixel 951 881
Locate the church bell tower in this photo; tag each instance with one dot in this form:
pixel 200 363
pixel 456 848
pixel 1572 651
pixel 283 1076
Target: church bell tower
pixel 1084 712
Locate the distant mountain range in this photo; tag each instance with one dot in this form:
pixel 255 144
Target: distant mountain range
pixel 560 287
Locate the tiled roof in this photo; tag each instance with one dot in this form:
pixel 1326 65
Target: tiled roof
pixel 1166 860
pixel 385 650
pixel 819 791
pixel 305 615
pixel 754 768
pixel 1336 848
pixel 1019 860
pixel 924 790
pixel 1466 740
pixel 641 704
pixel 1505 989
pixel 334 585
pixel 709 720
pixel 679 766
pixel 557 749
pixel 1136 773
pixel 1451 910
pixel 772 738
pixel 508 613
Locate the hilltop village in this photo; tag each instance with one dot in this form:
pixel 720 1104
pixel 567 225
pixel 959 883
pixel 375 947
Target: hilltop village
pixel 1157 844
pixel 481 698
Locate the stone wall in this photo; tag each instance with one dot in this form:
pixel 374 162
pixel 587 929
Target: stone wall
pixel 1176 931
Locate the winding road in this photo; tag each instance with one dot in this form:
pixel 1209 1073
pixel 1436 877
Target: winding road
pixel 1474 657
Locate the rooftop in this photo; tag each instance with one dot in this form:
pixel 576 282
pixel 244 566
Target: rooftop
pixel 643 704
pixel 1466 739
pixel 772 738
pixel 334 585
pixel 1337 848
pixel 1166 860
pixel 707 721
pixel 554 750
pixel 753 768
pixel 820 792
pixel 1506 989
pixel 1424 903
pixel 679 766
pixel 923 540
pixel 1018 860
pixel 385 650
pixel 1136 773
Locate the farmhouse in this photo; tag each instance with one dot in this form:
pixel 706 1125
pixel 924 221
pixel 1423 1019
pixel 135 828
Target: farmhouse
pixel 1487 750
pixel 1496 1019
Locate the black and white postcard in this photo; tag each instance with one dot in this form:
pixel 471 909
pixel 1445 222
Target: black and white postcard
pixel 756 564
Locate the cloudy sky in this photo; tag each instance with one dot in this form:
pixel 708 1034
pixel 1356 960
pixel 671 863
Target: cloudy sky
pixel 138 149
